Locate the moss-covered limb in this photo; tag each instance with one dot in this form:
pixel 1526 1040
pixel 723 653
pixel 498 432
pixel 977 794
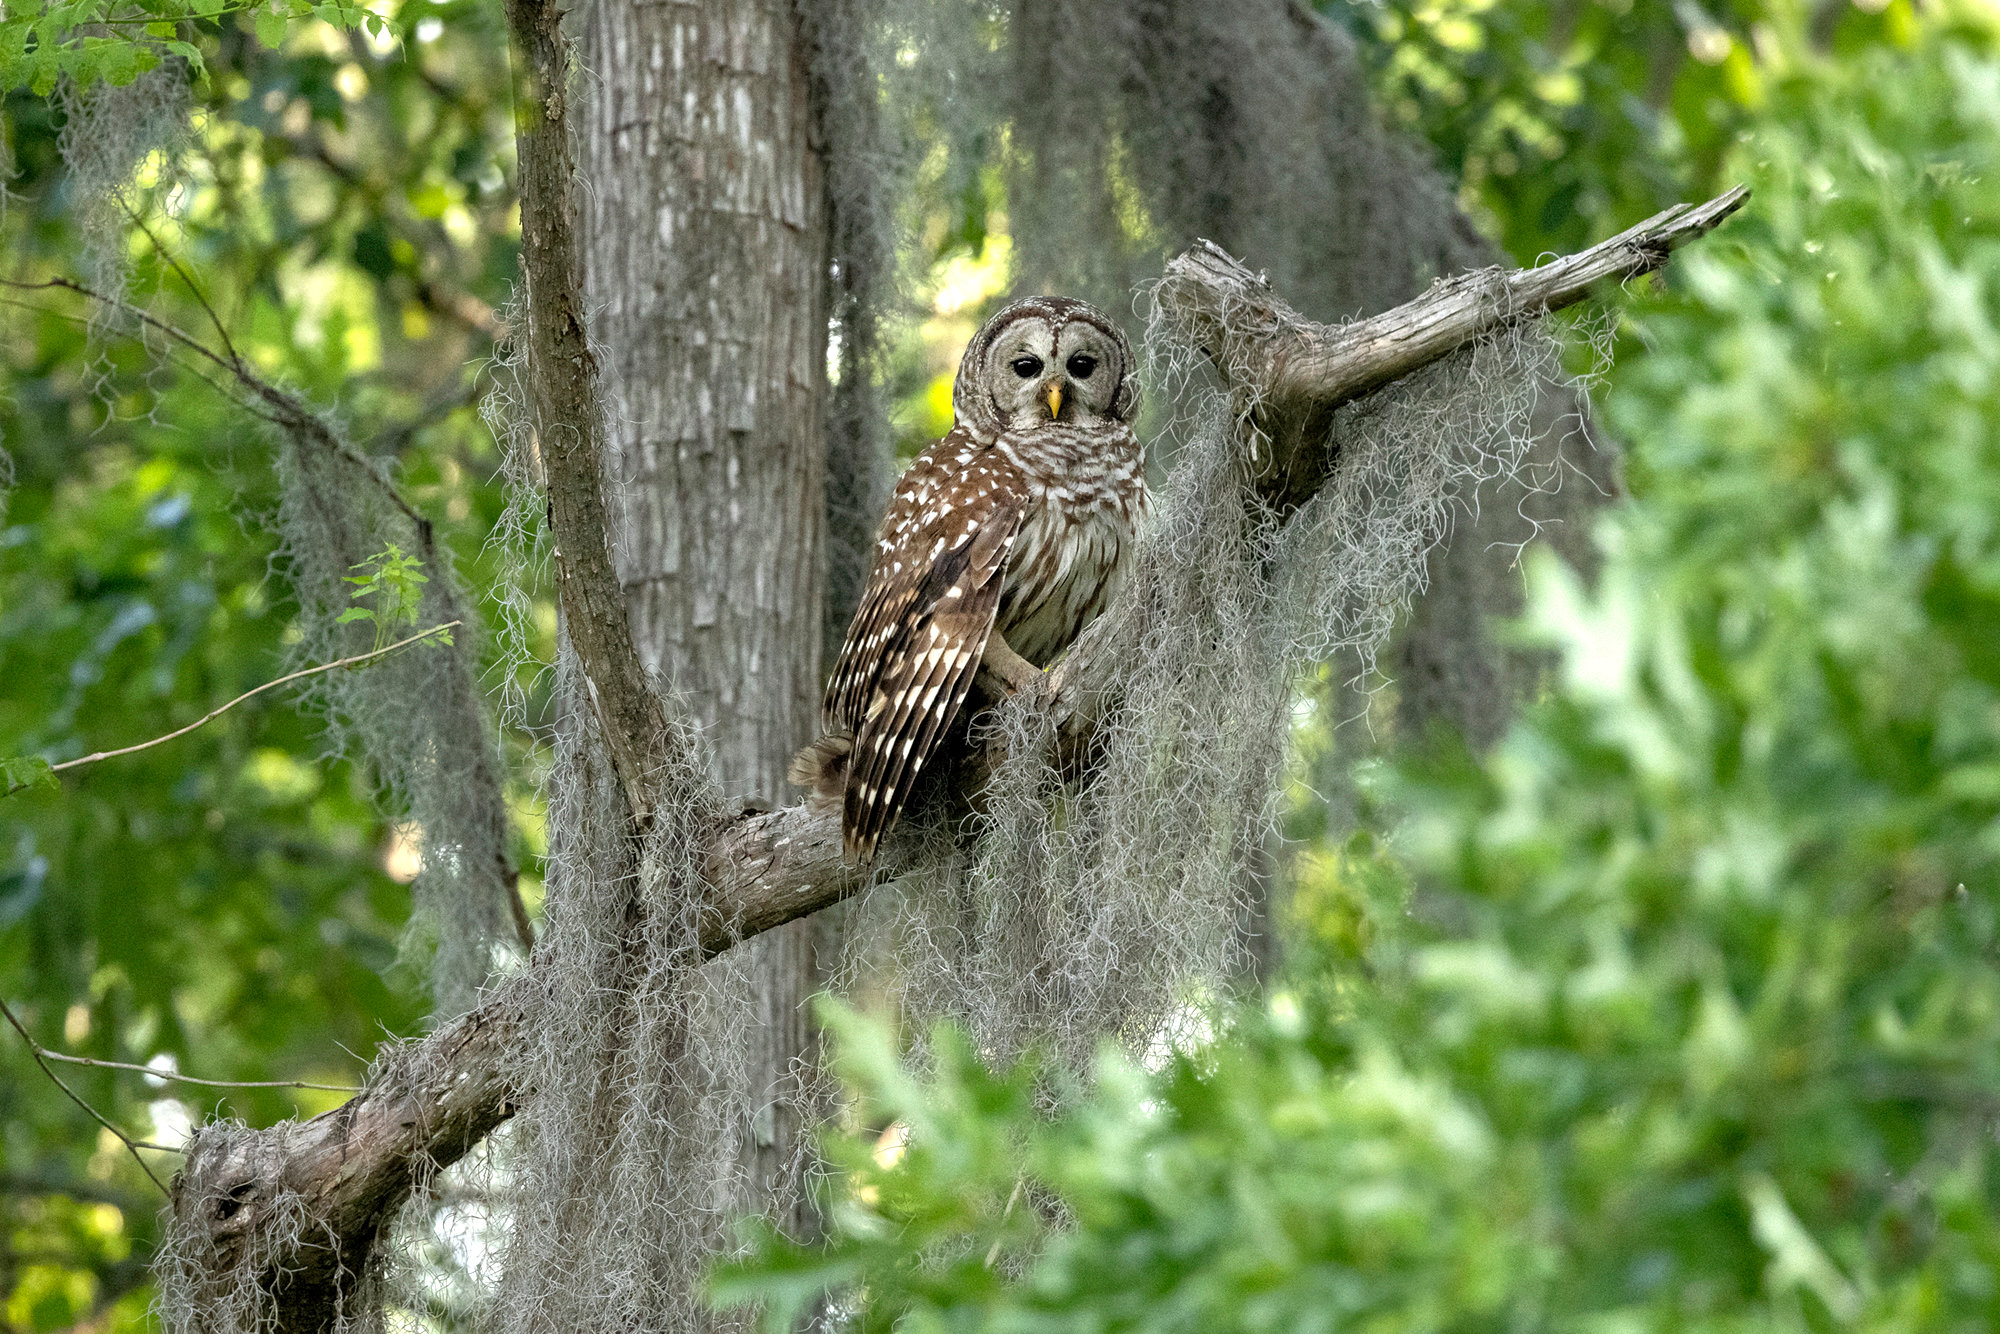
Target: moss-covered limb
pixel 272 1226
pixel 1289 373
pixel 560 377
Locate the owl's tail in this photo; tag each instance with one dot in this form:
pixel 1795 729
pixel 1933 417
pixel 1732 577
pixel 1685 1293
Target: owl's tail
pixel 821 768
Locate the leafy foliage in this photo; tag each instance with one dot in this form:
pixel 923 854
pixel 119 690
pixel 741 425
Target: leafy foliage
pixel 115 41
pixel 396 583
pixel 1681 1009
pixel 1565 122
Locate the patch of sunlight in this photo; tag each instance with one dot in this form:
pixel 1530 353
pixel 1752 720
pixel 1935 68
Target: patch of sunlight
pixel 965 282
pixel 281 777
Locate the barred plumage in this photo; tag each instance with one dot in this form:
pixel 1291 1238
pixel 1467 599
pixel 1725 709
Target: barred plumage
pixel 1014 526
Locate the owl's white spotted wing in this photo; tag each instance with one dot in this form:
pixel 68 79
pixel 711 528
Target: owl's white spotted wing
pixel 915 644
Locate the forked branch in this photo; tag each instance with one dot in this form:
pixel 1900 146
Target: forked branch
pixel 1286 374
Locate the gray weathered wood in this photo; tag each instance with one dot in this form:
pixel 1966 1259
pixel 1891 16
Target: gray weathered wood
pixel 1292 373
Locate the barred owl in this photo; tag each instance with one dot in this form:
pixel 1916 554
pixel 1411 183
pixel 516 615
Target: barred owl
pixel 1003 540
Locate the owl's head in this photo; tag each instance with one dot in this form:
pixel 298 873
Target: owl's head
pixel 1045 359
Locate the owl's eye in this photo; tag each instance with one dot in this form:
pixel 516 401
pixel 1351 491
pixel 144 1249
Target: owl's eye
pixel 1081 365
pixel 1027 367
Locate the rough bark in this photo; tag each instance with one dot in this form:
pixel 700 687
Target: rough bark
pixel 704 251
pixel 357 1163
pixel 562 389
pixel 704 244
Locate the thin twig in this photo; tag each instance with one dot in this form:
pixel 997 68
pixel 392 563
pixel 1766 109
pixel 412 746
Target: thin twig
pixel 132 1146
pixel 993 1252
pixel 175 332
pixel 180 361
pixel 268 685
pixel 150 19
pixel 194 290
pixel 190 1079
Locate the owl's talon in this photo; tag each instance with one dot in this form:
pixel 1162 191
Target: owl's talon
pixel 1001 659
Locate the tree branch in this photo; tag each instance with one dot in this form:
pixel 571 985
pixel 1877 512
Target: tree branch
pixel 357 1164
pixel 561 383
pixel 36 1050
pixel 426 1107
pixel 1290 374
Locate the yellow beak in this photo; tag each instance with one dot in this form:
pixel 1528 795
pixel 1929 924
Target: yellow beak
pixel 1055 401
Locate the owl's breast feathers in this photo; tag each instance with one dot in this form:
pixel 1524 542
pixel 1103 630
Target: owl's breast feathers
pixel 976 535
pixel 1086 496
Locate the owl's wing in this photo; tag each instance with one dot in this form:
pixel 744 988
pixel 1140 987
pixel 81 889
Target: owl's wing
pixel 915 644
pixel 911 538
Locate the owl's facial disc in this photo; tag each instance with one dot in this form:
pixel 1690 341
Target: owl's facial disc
pixel 1023 375
pixel 1042 361
pixel 1036 373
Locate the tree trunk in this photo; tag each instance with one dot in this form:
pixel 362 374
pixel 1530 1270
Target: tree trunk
pixel 704 244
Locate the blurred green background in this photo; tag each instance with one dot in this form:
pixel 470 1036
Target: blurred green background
pixel 1679 1010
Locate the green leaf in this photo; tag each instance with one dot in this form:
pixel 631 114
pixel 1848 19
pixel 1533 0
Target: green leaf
pixel 354 614
pixel 22 772
pixel 271 28
pixel 119 62
pixel 192 54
